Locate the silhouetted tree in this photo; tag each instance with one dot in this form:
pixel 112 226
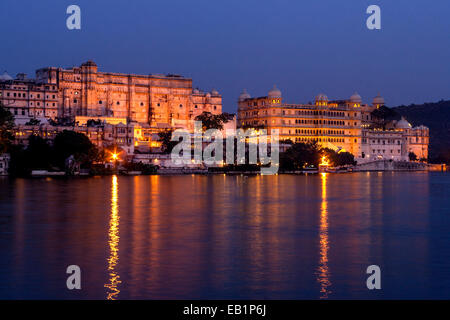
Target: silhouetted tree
pixel 213 121
pixel 6 126
pixel 412 156
pixel 383 115
pixel 338 158
pixel 36 156
pixel 299 155
pixel 69 143
pixel 166 143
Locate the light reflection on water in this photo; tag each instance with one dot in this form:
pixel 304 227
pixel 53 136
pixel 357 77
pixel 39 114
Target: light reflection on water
pixel 220 237
pixel 323 272
pixel 114 277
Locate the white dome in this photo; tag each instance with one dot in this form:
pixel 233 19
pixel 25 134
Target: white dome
pixel 196 91
pixel 274 92
pixel 378 100
pixel 403 124
pixel 5 76
pixel 355 98
pixel 208 95
pixel 244 95
pixel 321 97
pixel 214 92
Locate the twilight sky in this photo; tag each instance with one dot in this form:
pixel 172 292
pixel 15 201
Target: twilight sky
pixel 305 47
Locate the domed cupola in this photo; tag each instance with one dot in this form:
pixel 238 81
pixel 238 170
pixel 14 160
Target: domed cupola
pixel 214 92
pixel 356 98
pixel 378 101
pixel 403 124
pixel 321 99
pixel 89 65
pixel 274 92
pixel 5 76
pixel 244 95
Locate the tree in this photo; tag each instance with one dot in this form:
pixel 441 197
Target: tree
pixel 69 143
pixel 383 115
pixel 213 121
pixel 344 158
pixel 166 141
pixel 6 126
pixel 338 159
pixel 300 155
pixel 412 156
pixel 62 121
pixel 38 153
pixel 287 141
pixel 93 123
pixel 37 156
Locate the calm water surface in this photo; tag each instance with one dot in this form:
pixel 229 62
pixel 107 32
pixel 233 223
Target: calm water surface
pixel 220 237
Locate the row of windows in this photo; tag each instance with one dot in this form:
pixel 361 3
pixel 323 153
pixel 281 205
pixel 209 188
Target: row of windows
pixel 38 104
pixel 382 141
pixel 310 121
pixel 38 88
pixel 142 104
pixel 316 132
pixel 255 103
pixel 306 139
pixel 316 113
pixel 23 95
pixel 302 112
pixel 383 151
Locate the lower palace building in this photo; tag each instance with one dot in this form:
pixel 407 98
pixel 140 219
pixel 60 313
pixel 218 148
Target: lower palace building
pixel 341 125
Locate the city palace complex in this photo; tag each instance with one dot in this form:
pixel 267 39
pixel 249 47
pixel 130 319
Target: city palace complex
pixel 129 110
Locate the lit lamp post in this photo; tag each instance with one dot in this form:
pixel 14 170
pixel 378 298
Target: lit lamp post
pixel 115 159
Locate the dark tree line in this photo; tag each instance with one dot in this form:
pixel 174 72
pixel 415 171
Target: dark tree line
pixel 6 126
pixel 302 155
pixel 41 155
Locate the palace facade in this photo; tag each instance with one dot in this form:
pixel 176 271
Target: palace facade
pixel 160 101
pixel 341 125
pixel 27 98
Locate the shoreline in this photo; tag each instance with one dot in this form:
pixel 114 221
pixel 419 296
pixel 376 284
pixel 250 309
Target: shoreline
pixel 191 172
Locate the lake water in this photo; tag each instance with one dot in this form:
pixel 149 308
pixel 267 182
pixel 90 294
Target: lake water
pixel 226 237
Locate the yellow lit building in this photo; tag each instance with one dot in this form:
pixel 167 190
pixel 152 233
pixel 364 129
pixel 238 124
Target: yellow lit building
pixel 333 124
pixel 341 125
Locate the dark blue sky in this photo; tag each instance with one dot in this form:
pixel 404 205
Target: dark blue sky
pixel 305 47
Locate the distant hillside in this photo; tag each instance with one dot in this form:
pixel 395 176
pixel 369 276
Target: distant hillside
pixel 435 116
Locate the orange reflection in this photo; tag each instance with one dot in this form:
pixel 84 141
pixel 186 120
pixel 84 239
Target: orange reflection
pixel 323 274
pixel 114 278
